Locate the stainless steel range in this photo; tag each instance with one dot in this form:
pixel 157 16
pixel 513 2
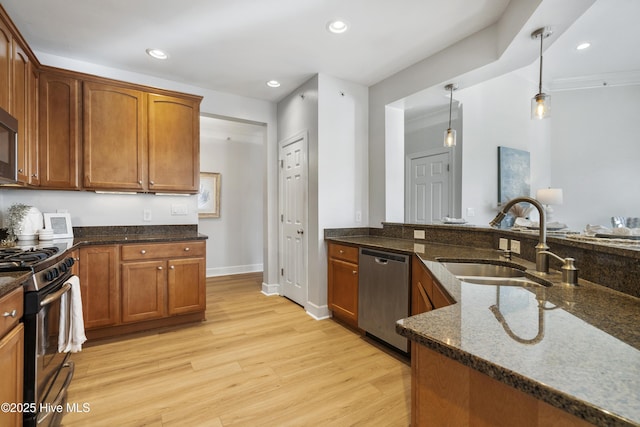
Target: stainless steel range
pixel 47 372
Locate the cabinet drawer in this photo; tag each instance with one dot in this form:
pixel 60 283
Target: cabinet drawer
pixel 162 250
pixel 344 252
pixel 9 303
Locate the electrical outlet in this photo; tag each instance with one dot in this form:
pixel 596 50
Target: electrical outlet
pixel 358 216
pixel 515 246
pixel 178 209
pixel 504 244
pixel 418 247
pixel 418 234
pixel 146 215
pixel 471 212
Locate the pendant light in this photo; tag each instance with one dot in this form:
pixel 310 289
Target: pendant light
pixel 540 103
pixel 450 134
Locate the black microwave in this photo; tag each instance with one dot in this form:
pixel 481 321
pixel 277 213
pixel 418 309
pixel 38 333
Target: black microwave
pixel 8 148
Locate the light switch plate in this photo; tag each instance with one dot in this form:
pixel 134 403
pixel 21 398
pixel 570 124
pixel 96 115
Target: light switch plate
pixel 418 234
pixel 178 209
pixel 504 244
pixel 146 215
pixel 515 246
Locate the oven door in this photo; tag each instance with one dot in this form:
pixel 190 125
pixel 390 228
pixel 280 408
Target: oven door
pixel 53 370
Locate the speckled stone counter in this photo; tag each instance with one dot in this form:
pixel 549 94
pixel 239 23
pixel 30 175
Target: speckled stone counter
pixel 135 234
pixel 10 280
pixel 576 348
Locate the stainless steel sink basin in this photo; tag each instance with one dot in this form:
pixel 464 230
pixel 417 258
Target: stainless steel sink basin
pixel 482 270
pixel 500 281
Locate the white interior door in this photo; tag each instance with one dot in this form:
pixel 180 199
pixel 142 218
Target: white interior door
pixel 293 218
pixel 428 198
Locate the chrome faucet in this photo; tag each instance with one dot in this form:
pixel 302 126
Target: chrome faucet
pixel 542 259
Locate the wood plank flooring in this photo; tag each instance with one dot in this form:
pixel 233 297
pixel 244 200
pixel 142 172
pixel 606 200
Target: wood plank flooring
pixel 255 361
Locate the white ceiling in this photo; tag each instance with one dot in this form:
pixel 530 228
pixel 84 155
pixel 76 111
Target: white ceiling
pixel 235 46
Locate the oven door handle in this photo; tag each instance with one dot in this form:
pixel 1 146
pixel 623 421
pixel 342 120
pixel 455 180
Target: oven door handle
pixel 56 295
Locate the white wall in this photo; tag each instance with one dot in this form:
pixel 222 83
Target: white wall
pixel 88 208
pixel 595 154
pixel 497 113
pixel 334 115
pixel 235 238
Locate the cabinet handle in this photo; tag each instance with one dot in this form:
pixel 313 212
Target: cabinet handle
pixel 140 182
pixel 354 272
pixel 143 252
pixel 151 182
pixel 172 267
pixel 35 175
pixel 160 268
pixel 11 313
pixel 186 249
pixel 20 170
pixel 341 251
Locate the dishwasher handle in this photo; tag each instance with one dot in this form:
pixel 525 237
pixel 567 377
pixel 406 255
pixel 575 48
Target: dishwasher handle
pixel 384 257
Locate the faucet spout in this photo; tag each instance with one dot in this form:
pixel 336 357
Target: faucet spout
pixel 542 259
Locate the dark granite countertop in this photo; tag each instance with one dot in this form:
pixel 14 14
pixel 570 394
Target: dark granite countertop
pixel 103 236
pixel 576 348
pixel 10 280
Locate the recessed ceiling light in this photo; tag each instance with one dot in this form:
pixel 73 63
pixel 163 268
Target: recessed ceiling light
pixel 582 46
pixel 337 26
pixel 273 83
pixel 157 53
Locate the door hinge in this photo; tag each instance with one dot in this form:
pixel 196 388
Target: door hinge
pixel 448 167
pixel 281 217
pixel 281 163
pixel 282 271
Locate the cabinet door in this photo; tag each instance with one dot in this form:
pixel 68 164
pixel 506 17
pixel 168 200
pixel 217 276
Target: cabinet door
pixel 34 146
pixel 174 144
pixel 98 266
pixel 20 108
pixel 11 366
pixel 59 128
pixel 114 130
pixel 421 288
pixel 343 290
pixel 143 290
pixel 186 285
pixel 6 50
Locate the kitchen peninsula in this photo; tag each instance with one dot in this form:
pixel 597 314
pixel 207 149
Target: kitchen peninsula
pixel 569 354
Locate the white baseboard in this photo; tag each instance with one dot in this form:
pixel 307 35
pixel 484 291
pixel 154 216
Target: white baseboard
pixel 317 312
pixel 270 289
pixel 234 269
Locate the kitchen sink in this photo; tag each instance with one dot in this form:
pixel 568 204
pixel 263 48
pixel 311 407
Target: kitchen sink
pixel 482 270
pixel 491 274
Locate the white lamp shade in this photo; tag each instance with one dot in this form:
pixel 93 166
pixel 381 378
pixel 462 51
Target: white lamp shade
pixel 549 196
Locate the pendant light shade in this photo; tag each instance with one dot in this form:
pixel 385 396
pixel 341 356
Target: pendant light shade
pixel 541 102
pixel 450 134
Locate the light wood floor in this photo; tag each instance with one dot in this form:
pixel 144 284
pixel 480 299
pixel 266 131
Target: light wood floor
pixel 255 361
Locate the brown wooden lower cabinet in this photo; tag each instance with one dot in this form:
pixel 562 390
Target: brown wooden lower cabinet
pixel 448 393
pixel 132 287
pixel 343 283
pixel 426 293
pixel 11 356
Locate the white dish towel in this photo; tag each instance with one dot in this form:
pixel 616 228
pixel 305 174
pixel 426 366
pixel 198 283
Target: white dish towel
pixel 71 333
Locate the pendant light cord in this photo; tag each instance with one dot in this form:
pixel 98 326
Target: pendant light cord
pixel 450 105
pixel 540 81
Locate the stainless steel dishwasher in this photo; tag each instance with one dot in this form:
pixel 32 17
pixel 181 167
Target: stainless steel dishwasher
pixel 383 295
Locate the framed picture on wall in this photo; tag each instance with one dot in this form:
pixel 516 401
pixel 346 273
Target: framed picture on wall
pixel 209 195
pixel 60 223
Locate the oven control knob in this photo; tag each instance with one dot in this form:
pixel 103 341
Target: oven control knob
pixel 64 267
pixel 51 274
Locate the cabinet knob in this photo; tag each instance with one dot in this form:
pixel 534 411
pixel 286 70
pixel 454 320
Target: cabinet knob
pixel 160 268
pixel 143 252
pixel 354 272
pixel 35 175
pixel 11 313
pixel 186 249
pixel 151 182
pixel 172 267
pixel 341 251
pixel 20 170
pixel 140 182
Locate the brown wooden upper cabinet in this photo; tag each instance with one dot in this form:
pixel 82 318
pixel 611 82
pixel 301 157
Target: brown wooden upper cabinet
pixel 6 55
pixel 59 130
pixel 138 141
